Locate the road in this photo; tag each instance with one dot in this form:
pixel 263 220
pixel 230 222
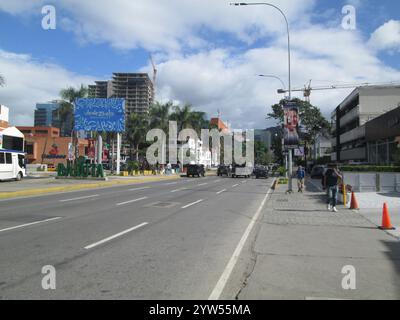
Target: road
pixel 160 240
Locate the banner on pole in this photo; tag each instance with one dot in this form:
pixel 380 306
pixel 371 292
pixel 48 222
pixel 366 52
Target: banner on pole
pixel 291 125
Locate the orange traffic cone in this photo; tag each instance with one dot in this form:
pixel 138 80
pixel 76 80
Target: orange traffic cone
pixel 354 202
pixel 386 224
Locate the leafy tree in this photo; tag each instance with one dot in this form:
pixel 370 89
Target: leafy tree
pixel 312 121
pixel 261 153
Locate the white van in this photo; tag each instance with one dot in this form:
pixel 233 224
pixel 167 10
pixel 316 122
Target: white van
pixel 12 165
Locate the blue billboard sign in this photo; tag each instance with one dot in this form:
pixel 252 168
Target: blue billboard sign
pixel 100 115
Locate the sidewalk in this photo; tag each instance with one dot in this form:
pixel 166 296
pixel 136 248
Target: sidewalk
pixel 39 186
pixel 371 207
pixel 301 248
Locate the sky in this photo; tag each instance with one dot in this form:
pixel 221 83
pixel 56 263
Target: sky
pixel 207 52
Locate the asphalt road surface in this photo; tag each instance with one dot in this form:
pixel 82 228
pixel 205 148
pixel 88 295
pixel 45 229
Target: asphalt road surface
pixel 160 240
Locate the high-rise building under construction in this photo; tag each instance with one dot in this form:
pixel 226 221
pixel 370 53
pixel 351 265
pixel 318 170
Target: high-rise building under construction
pixel 136 88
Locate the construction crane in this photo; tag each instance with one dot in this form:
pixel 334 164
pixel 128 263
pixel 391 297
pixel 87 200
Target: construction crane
pixel 308 88
pixel 154 74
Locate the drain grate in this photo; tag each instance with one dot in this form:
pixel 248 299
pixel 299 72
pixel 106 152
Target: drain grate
pixel 163 205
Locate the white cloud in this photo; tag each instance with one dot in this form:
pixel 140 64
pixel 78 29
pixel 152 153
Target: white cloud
pixel 29 81
pixel 164 25
pixel 386 37
pixel 219 80
pixel 209 77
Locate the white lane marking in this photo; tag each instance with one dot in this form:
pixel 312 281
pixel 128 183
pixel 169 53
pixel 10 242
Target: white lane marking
pixel 171 183
pixel 177 190
pixel 219 192
pixel 131 201
pixel 80 198
pixel 234 186
pixel 115 236
pixel 244 181
pixel 203 184
pixel 30 224
pixel 192 204
pixel 216 293
pixel 217 181
pixel 137 189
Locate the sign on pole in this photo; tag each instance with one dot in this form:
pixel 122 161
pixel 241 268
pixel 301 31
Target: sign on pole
pixel 299 152
pixel 291 125
pixel 101 115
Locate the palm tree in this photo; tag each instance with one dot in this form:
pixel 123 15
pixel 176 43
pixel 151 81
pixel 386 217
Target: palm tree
pixel 183 116
pixel 198 121
pixel 71 94
pixel 159 116
pixel 136 130
pixel 66 110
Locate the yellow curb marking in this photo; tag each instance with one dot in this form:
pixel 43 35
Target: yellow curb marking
pixel 33 192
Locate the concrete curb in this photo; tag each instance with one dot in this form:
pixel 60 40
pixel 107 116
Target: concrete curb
pixel 87 186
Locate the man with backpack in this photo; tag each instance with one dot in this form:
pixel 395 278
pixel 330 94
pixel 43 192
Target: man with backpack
pixel 331 184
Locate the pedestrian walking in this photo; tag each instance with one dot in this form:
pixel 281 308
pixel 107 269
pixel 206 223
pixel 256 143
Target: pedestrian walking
pixel 169 168
pixel 331 185
pixel 301 175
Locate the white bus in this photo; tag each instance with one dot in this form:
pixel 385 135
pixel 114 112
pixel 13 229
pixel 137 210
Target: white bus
pixel 12 165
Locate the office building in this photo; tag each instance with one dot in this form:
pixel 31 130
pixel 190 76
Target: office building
pixel 46 114
pixel 322 147
pixel 350 117
pixel 383 139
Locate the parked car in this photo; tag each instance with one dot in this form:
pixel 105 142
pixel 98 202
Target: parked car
pixel 261 172
pixel 222 171
pixel 317 172
pixel 195 170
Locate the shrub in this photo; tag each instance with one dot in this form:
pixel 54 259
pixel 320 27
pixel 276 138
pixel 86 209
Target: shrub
pixel 133 166
pixel 282 171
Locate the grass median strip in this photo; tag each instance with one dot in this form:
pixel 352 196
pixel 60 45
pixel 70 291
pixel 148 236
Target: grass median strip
pixel 115 236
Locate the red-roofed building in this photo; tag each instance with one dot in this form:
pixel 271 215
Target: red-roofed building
pixel 219 124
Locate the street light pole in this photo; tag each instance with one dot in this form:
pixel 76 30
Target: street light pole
pixel 288 34
pixel 289 70
pixel 274 77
